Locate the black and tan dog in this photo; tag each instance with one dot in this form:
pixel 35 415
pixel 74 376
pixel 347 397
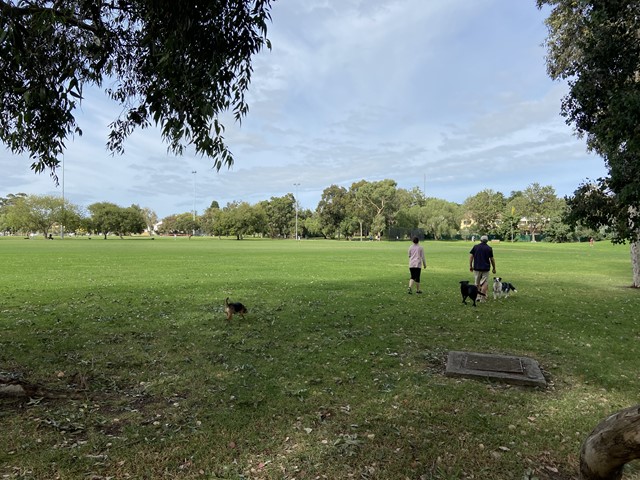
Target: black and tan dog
pixel 234 307
pixel 469 291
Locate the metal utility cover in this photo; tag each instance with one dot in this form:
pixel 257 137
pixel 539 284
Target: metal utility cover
pixel 503 368
pixel 494 363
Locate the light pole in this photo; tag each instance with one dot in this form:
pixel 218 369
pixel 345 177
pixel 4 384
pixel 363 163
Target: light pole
pixel 194 194
pixel 194 200
pixel 63 212
pixel 296 199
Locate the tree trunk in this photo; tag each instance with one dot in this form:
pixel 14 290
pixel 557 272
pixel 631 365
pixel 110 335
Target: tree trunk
pixel 612 444
pixel 635 263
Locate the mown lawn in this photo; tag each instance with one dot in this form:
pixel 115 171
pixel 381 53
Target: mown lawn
pixel 335 373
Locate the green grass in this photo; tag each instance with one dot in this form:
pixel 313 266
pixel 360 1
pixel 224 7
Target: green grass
pixel 335 373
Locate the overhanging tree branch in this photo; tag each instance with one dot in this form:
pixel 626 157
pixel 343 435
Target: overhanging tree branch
pixel 179 65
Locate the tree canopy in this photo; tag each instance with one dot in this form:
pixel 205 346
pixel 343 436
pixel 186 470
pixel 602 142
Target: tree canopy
pixel 485 208
pixel 39 213
pixel 595 46
pixel 175 64
pixel 107 217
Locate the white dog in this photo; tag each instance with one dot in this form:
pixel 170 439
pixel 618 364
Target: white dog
pixel 502 289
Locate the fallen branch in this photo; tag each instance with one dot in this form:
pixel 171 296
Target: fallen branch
pixel 612 444
pixel 12 386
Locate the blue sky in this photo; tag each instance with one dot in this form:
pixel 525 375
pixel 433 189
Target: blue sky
pixel 447 95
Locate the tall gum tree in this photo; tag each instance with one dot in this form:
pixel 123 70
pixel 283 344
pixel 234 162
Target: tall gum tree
pixel 595 46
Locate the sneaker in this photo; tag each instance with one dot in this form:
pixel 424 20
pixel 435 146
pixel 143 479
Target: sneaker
pixel 409 291
pixel 418 291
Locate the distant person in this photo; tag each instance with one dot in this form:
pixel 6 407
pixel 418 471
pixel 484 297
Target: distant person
pixel 591 242
pixel 480 262
pixel 416 263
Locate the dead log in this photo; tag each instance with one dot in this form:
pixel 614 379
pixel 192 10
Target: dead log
pixel 612 444
pixel 12 386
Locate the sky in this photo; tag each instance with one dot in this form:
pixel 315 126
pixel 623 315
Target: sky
pixel 450 96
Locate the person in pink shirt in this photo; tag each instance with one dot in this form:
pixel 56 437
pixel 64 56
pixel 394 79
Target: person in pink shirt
pixel 416 263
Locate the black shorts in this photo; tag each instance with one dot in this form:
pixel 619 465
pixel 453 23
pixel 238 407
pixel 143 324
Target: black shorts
pixel 415 274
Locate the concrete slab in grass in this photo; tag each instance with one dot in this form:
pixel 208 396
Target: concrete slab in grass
pixel 502 368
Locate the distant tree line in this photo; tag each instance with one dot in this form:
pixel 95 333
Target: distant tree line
pixel 365 210
pixel 47 214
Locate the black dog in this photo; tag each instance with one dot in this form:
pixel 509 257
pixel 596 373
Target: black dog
pixel 469 291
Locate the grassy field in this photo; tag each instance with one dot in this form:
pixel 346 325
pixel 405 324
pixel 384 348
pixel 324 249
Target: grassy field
pixel 335 373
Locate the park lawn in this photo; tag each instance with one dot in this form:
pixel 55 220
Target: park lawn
pixel 335 373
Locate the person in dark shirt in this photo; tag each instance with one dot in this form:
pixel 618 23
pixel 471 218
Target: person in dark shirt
pixel 480 262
